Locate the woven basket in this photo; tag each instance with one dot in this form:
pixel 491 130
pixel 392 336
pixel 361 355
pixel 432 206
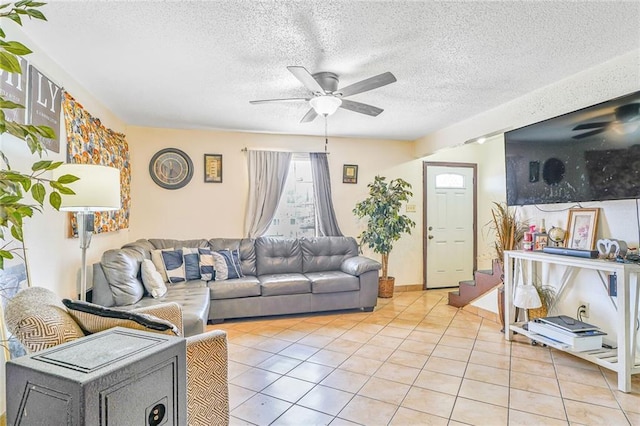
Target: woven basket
pixel 385 287
pixel 540 312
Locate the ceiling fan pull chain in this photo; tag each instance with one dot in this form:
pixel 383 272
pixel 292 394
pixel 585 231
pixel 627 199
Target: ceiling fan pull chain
pixel 326 139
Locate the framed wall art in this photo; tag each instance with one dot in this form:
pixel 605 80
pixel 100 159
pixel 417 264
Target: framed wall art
pixel 350 173
pixel 581 228
pixel 213 168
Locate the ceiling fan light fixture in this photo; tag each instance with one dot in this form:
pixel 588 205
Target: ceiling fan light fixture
pixel 326 104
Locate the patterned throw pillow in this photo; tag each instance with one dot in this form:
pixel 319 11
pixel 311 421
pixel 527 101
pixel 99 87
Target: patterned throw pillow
pixel 232 270
pixel 152 279
pixel 94 318
pixel 173 265
pixel 36 317
pixel 236 261
pixel 156 258
pixel 207 265
pixel 191 263
pixel 220 266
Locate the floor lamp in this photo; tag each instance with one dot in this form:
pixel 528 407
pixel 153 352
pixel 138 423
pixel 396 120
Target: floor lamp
pixel 98 189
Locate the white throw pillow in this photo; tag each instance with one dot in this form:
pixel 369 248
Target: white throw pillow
pixel 156 258
pixel 152 279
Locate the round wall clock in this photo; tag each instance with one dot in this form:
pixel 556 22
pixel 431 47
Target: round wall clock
pixel 171 168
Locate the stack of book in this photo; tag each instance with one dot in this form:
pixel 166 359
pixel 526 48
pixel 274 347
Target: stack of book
pixel 579 335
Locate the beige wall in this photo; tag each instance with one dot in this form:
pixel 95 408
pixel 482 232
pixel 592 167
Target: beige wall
pixel 618 219
pixel 206 210
pixel 53 257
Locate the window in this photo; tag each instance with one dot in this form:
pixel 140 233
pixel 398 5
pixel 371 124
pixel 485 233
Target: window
pixel 295 216
pixel 449 180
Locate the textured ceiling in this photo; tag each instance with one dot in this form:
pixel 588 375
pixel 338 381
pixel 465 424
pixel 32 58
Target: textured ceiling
pixel 197 64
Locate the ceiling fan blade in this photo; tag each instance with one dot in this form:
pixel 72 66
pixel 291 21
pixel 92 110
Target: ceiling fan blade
pixel 309 116
pixel 306 78
pixel 266 101
pixel 361 108
pixel 596 125
pixel 591 133
pixel 368 84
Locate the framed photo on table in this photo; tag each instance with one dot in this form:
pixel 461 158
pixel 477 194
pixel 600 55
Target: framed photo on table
pixel 213 168
pixel 350 173
pixel 581 228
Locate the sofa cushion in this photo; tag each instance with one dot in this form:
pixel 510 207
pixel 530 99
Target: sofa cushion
pixel 246 286
pixel 278 256
pixel 161 243
pixel 95 318
pixel 359 265
pixel 246 247
pixel 332 282
pixel 278 284
pixel 192 296
pixel 122 269
pixel 326 253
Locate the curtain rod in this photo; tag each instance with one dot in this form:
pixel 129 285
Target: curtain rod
pixel 245 149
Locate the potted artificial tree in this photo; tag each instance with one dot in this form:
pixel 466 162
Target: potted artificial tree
pixel 385 224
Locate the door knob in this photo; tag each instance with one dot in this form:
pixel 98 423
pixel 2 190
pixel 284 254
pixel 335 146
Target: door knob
pixel 430 228
pixel 430 237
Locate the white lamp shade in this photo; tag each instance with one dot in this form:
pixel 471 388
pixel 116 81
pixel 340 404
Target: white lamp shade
pixel 325 105
pixel 98 188
pixel 526 297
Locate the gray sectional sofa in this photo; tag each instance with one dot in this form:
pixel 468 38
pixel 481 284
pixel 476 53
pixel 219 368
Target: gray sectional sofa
pixel 280 276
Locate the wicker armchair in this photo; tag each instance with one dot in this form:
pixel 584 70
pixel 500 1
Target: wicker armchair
pixel 39 320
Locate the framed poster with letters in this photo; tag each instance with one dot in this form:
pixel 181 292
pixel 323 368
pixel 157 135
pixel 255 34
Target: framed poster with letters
pixel 45 101
pixel 213 168
pixel 350 173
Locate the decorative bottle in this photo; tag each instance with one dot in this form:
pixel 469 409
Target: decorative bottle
pixel 528 238
pixel 540 239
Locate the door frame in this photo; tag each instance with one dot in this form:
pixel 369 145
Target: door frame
pixel 425 166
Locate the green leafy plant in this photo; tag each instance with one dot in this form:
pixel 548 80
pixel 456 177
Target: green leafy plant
pixel 16 186
pixel 385 224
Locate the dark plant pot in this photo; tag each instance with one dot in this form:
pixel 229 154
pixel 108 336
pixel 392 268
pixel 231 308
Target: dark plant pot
pixel 385 287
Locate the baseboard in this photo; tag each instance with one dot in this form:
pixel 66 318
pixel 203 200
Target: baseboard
pixel 407 287
pixel 484 313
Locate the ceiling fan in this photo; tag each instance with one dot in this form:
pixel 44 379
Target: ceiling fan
pixel 622 115
pixel 325 97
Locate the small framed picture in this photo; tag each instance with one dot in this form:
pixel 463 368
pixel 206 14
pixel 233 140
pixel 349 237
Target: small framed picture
pixel 350 173
pixel 213 168
pixel 581 228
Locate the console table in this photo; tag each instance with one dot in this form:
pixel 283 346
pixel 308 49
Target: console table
pixel 622 360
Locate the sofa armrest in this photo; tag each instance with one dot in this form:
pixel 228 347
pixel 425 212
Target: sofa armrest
pixel 169 311
pixel 358 265
pixel 207 379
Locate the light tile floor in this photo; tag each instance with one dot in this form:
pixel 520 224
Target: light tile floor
pixel 413 361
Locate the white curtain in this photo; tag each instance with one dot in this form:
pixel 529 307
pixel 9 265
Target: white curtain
pixel 267 175
pixel 326 216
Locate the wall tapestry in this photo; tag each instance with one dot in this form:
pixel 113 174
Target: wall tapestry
pixel 89 142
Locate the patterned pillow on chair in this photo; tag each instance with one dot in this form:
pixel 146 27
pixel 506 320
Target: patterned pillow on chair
pixel 37 318
pixel 94 318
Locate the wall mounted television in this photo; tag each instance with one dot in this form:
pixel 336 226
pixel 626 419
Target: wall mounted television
pixel 592 154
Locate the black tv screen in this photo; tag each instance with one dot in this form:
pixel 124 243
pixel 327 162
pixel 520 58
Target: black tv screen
pixel 592 154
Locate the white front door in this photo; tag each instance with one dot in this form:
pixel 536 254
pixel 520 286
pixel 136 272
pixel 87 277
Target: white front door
pixel 449 223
